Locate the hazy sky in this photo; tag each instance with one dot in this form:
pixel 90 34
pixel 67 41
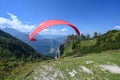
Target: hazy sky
pixel 88 15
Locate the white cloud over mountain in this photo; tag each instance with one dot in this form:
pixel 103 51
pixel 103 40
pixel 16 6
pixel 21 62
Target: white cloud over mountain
pixel 15 23
pixel 117 27
pixel 52 31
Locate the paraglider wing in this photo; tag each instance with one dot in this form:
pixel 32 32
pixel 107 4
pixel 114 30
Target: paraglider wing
pixel 50 23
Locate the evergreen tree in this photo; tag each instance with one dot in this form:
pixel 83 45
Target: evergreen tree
pixel 88 36
pixel 95 34
pixel 82 37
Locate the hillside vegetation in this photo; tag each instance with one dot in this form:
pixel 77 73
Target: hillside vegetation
pixel 13 52
pixel 74 45
pixel 96 66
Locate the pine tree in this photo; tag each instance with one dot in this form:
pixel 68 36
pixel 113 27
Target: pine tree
pixel 88 36
pixel 95 34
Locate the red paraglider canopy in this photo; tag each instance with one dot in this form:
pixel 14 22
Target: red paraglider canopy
pixel 50 23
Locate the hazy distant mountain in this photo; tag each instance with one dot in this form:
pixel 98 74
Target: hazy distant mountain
pixel 43 45
pixel 19 34
pixel 59 38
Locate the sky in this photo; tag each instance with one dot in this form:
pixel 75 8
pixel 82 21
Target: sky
pixel 88 16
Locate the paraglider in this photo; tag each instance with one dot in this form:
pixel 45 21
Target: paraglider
pixel 50 23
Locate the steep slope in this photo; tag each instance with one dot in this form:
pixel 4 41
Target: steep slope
pixel 12 48
pixel 14 52
pixel 42 44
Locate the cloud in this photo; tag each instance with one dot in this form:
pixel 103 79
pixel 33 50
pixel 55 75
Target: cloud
pixel 63 31
pixel 45 30
pixel 15 23
pixel 117 27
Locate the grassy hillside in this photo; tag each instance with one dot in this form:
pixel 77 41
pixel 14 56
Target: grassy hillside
pixel 73 45
pixel 95 66
pixel 88 42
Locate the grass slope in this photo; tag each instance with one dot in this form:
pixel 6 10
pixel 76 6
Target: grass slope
pixel 68 50
pixel 69 68
pixel 88 42
pixel 108 41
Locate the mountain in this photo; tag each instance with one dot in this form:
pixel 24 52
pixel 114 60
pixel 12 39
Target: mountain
pixel 43 45
pixel 59 38
pixel 12 48
pixel 14 53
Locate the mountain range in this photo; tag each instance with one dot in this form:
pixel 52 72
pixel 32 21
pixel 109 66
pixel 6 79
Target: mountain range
pixel 45 44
